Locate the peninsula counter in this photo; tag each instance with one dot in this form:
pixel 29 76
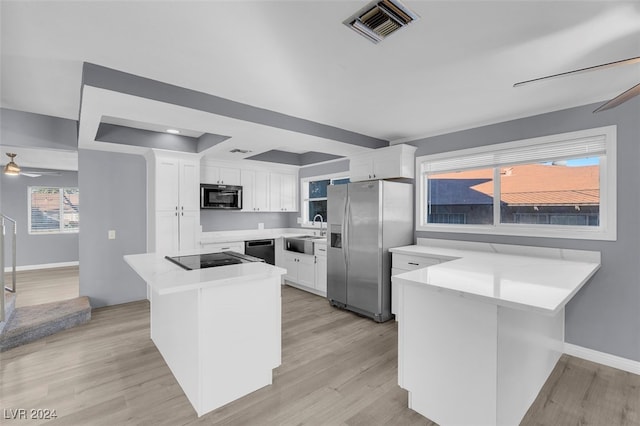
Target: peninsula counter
pixel 480 332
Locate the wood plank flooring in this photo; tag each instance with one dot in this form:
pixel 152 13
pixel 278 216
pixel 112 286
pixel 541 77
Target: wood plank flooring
pixel 337 369
pixel 45 285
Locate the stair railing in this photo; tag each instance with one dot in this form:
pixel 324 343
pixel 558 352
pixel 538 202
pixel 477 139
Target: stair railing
pixel 13 261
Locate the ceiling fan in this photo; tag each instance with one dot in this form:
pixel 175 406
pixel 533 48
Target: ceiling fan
pixel 12 169
pixel 620 99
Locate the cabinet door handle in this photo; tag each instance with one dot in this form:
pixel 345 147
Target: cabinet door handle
pixel 413 263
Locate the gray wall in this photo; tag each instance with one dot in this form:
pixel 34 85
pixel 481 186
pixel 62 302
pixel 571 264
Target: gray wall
pixel 324 169
pixel 30 130
pixel 605 314
pixel 36 249
pixel 113 191
pixel 224 220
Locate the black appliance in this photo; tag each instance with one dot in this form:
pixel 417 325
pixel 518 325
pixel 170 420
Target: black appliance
pixel 211 260
pixel 220 197
pixel 264 249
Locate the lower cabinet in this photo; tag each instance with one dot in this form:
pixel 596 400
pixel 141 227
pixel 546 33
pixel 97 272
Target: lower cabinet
pixel 300 268
pixel 321 268
pixel 401 263
pixel 304 271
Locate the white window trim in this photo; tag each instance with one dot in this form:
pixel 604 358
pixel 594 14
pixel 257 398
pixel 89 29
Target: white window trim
pixel 607 230
pixel 60 229
pixel 304 197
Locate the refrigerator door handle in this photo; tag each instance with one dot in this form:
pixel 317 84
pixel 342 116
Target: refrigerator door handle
pixel 347 220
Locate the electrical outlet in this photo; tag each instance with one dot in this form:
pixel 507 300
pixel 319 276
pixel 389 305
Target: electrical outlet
pixel 260 225
pixel 112 234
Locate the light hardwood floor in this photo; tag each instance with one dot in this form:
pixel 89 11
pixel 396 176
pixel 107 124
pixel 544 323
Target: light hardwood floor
pixel 45 285
pixel 337 369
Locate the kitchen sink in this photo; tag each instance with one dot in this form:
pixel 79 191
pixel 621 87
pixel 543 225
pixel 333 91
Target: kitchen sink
pixel 302 243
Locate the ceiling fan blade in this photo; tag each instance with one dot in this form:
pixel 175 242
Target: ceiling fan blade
pixel 628 61
pixel 38 173
pixel 620 99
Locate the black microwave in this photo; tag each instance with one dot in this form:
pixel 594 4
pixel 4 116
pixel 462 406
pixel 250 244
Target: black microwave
pixel 220 197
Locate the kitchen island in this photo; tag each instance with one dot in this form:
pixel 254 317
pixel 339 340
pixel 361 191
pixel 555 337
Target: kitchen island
pixel 218 329
pixel 480 331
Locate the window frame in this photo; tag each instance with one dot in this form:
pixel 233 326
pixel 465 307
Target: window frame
pixel 304 195
pixel 606 230
pixel 61 229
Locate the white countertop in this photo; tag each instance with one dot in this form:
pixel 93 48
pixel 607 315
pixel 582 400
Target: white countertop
pixel 540 284
pixel 166 277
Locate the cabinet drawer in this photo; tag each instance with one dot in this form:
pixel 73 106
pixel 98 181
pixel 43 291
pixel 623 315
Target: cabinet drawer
pixel 320 250
pixel 237 246
pixel 409 262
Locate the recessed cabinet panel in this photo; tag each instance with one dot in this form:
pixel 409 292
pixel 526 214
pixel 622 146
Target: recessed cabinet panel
pixel 255 190
pixel 321 274
pixel 283 192
pixel 167 184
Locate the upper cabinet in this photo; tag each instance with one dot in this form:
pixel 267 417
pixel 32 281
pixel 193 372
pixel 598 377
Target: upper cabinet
pixel 396 161
pixel 214 174
pixel 255 190
pixel 283 192
pixel 173 215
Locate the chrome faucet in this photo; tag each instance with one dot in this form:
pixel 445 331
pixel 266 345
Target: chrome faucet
pixel 322 233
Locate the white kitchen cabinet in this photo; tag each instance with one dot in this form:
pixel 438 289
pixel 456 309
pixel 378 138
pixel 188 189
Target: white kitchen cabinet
pixel 173 202
pixel 283 192
pixel 255 190
pixel 215 174
pixel 300 268
pixel 320 251
pixel 401 263
pixel 397 161
pixel 237 246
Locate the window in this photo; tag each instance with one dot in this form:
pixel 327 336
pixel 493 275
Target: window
pixel 561 186
pixel 314 194
pixel 53 210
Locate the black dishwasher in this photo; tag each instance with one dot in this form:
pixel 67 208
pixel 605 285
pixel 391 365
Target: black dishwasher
pixel 264 249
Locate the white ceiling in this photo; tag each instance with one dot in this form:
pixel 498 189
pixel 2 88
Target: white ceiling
pixel 452 69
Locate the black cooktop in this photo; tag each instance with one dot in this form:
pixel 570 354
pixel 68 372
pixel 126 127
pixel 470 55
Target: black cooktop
pixel 212 260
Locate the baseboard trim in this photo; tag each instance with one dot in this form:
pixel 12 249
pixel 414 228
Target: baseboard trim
pixel 42 266
pixel 603 358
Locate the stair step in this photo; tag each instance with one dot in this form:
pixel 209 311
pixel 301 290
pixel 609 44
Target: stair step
pixel 9 307
pixel 30 323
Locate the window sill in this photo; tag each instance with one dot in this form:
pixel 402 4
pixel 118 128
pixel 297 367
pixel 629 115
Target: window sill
pixel 546 231
pixel 53 233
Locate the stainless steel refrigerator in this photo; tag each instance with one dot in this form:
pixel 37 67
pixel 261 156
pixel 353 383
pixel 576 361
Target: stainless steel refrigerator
pixel 365 219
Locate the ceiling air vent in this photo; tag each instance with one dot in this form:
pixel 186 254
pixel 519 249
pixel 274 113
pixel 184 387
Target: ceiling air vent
pixel 380 19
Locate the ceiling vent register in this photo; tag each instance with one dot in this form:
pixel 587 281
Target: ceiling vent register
pixel 380 19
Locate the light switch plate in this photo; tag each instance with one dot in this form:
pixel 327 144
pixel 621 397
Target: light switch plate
pixel 112 234
pixel 260 225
